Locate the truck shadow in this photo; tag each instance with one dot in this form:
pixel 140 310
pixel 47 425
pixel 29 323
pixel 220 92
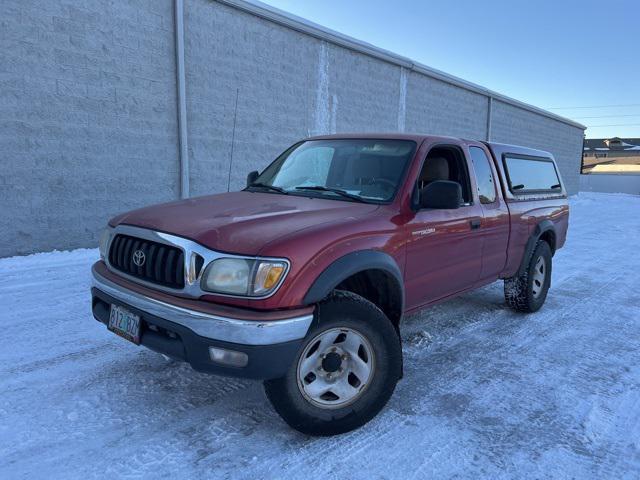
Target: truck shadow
pixel 443 321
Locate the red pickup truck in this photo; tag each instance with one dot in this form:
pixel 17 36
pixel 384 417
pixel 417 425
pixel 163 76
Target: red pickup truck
pixel 302 279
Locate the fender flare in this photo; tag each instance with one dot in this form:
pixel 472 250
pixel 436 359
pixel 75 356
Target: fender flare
pixel 540 228
pixel 349 265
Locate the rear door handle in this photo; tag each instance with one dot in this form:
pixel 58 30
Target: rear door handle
pixel 475 223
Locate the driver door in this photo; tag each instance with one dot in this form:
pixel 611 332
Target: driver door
pixel 444 249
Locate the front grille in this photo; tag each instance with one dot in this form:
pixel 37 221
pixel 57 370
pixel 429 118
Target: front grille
pixel 162 264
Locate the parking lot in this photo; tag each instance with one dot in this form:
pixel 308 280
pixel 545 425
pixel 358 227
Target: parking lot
pixel 486 392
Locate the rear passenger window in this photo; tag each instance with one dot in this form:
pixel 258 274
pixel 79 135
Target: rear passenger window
pixel 528 174
pixel 484 175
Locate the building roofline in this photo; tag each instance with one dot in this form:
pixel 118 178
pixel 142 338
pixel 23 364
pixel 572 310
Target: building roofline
pixel 302 25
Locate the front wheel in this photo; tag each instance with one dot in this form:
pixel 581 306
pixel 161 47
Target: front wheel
pixel 345 371
pixel 528 291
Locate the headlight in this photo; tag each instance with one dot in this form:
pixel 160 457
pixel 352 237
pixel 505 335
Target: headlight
pixel 104 242
pixel 227 275
pixel 243 277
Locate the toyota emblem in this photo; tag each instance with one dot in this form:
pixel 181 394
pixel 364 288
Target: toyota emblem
pixel 139 257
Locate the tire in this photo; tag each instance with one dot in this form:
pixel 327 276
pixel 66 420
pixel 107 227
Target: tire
pixel 346 323
pixel 528 291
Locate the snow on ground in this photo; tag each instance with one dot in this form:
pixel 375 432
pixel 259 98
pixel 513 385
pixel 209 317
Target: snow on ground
pixel 487 392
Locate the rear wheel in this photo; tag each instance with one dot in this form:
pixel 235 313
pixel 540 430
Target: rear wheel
pixel 528 291
pixel 345 371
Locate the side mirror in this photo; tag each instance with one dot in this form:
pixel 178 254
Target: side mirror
pixel 252 177
pixel 441 194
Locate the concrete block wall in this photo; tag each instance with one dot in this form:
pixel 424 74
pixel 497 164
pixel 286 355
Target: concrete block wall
pixel 439 108
pixel 364 92
pixel 250 87
pixel 88 108
pixel 87 117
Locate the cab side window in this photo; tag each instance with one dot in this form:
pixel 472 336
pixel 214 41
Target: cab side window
pixel 446 162
pixel 484 175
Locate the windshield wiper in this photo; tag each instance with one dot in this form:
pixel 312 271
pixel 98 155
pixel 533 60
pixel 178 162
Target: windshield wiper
pixel 322 188
pixel 269 187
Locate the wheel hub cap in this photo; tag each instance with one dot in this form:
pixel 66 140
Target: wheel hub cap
pixel 331 362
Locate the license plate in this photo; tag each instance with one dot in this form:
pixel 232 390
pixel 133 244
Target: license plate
pixel 124 323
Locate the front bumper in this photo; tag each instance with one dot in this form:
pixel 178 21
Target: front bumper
pixel 186 334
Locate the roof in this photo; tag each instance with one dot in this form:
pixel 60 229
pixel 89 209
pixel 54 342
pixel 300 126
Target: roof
pixel 302 25
pixel 416 137
pixel 497 148
pixel 607 144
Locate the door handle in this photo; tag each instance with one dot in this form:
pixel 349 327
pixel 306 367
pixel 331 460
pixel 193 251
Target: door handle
pixel 475 223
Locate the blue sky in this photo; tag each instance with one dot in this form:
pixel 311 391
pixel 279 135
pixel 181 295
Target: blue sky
pixel 552 54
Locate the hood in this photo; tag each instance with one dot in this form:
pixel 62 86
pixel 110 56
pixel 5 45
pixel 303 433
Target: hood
pixel 241 222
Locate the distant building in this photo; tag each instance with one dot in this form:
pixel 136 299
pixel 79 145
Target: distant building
pixel 611 155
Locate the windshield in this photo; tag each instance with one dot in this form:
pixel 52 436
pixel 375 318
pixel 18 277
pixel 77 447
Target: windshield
pixel 346 169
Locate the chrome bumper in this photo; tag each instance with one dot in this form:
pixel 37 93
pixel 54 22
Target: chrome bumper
pixel 245 332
